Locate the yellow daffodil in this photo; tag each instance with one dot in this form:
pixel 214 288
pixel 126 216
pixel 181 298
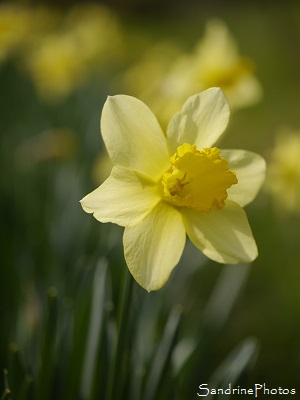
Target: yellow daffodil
pixel 217 62
pixel 14 26
pixel 283 179
pixel 163 187
pixel 55 66
pixel 175 75
pixel 61 60
pixel 97 33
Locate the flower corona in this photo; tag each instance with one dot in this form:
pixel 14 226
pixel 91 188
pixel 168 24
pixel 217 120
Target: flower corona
pixel 197 178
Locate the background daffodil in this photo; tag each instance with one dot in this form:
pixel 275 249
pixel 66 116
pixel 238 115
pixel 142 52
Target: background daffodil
pixel 283 179
pixel 174 74
pixel 164 187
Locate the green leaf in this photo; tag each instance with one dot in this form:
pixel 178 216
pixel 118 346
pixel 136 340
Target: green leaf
pixel 235 364
pixel 162 357
pixel 89 373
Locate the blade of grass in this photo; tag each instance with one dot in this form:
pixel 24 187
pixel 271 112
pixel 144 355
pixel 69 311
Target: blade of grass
pixel 26 391
pixel 16 370
pixel 162 358
pixel 234 365
pixel 6 393
pixel 48 354
pixel 115 378
pixel 222 299
pixel 146 312
pixel 95 328
pixel 21 383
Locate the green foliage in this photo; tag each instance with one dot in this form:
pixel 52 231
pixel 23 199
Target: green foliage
pixel 62 333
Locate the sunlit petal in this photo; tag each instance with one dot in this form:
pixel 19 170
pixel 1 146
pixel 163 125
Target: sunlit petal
pixel 125 198
pixel 250 169
pixel 133 136
pixel 154 246
pixel 202 120
pixel 222 235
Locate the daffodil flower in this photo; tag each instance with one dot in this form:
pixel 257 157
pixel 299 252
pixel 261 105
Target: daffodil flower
pixel 283 179
pixel 163 187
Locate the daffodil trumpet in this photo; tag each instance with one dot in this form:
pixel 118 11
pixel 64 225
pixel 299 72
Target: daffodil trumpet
pixel 166 186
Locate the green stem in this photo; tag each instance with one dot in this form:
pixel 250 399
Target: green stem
pixel 114 381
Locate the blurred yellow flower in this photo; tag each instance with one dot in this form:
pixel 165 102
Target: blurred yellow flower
pixel 14 25
pixel 96 32
pixel 214 62
pixel 56 66
pixel 63 59
pixel 21 27
pixel 154 65
pixel 217 62
pixel 283 179
pixel 164 187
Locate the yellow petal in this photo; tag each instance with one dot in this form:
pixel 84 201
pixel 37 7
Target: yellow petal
pixel 222 235
pixel 250 169
pixel 133 136
pixel 202 120
pixel 246 92
pixel 124 198
pixel 154 246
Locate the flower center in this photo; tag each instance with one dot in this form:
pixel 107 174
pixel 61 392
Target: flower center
pixel 197 178
pixel 226 76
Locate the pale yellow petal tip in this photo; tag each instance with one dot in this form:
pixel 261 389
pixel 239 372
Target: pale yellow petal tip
pixel 252 256
pixel 155 286
pixel 85 208
pixel 110 99
pixel 116 96
pixel 249 259
pixel 261 160
pixel 232 260
pixel 156 283
pixel 216 89
pixel 261 170
pixel 152 286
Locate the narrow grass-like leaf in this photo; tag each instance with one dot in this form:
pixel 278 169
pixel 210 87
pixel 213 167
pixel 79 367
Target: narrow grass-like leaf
pixel 26 391
pixel 146 311
pixel 219 306
pixel 115 383
pixel 222 299
pixel 235 364
pixel 77 336
pixel 48 355
pixel 162 357
pixel 95 328
pixel 16 370
pixel 6 393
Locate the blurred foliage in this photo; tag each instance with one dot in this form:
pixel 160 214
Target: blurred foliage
pixel 62 272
